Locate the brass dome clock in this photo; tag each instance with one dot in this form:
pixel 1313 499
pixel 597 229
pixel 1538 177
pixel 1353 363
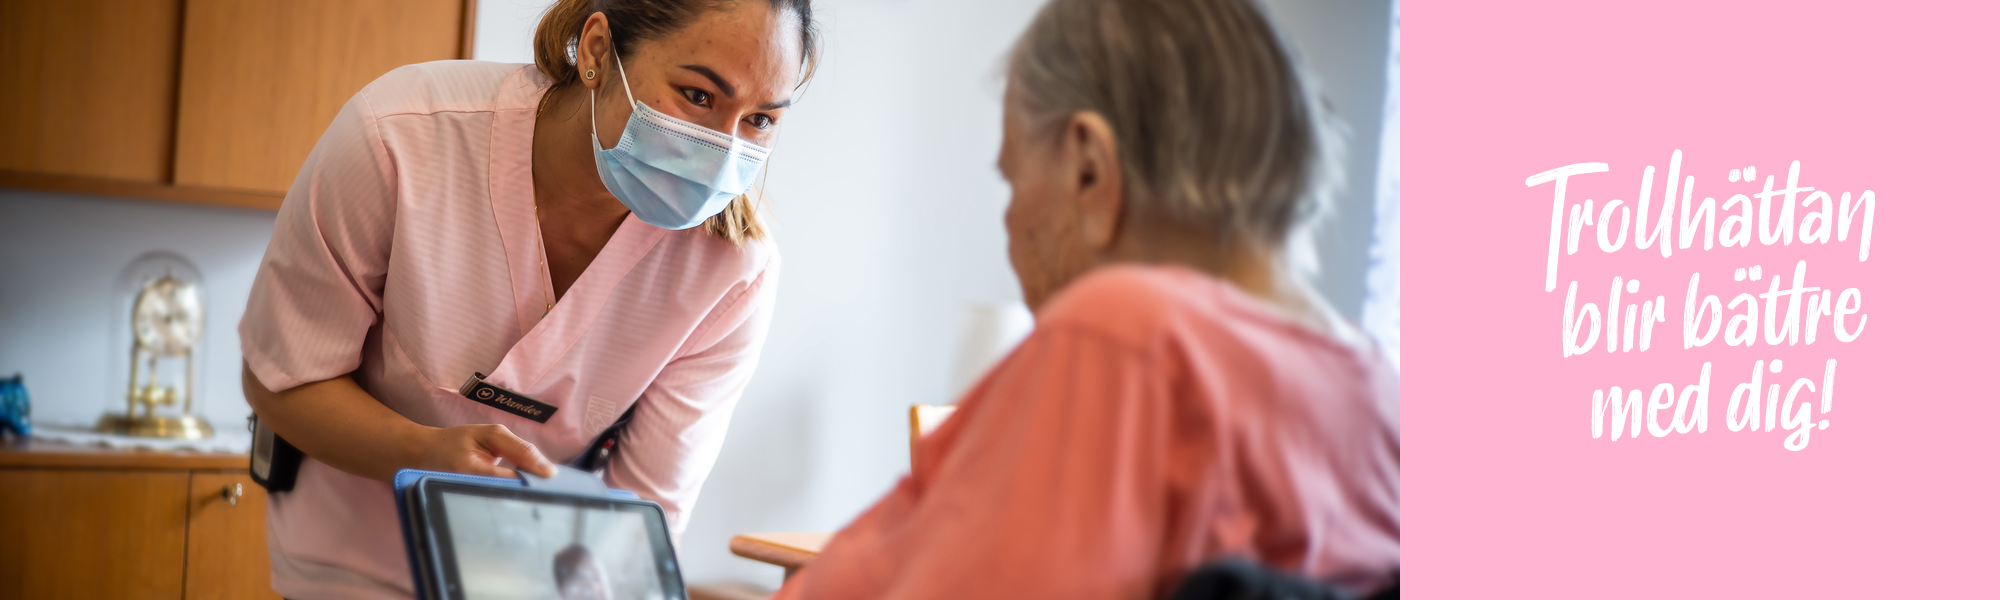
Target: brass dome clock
pixel 164 296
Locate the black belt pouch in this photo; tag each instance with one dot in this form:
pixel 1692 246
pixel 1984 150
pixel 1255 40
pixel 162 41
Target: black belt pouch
pixel 274 462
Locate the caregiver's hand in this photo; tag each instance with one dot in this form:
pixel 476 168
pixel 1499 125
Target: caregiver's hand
pixel 478 450
pixel 338 423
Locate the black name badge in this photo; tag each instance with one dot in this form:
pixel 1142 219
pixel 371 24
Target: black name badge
pixel 501 398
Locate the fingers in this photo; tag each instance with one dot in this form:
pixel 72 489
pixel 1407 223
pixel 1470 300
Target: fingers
pixel 511 448
pixel 476 465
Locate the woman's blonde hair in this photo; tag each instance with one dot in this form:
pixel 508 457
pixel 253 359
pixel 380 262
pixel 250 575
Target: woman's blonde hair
pixel 1214 123
pixel 634 21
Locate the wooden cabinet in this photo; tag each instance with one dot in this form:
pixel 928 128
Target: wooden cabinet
pixel 92 534
pixel 96 523
pixel 225 538
pixel 260 80
pixel 90 87
pixel 202 101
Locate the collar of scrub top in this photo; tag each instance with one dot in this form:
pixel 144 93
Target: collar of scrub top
pixel 579 307
pixel 551 330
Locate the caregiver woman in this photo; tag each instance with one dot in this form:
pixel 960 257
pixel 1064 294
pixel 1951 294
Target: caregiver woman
pixel 578 236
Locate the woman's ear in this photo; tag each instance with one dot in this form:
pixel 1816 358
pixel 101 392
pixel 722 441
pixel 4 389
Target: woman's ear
pixel 1100 178
pixel 593 51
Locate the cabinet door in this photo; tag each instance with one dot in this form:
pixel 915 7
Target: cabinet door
pixel 260 80
pixel 92 534
pixel 225 547
pixel 89 87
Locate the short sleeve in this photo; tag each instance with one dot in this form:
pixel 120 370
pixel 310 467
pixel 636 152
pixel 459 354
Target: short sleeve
pixel 319 288
pixel 677 430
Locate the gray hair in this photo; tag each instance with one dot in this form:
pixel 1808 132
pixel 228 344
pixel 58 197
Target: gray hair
pixel 1215 125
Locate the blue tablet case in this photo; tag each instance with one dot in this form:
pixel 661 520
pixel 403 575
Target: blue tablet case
pixel 567 480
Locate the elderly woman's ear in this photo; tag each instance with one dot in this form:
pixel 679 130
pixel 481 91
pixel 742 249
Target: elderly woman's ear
pixel 1096 176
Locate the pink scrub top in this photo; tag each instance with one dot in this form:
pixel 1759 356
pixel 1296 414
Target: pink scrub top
pixel 406 254
pixel 1157 419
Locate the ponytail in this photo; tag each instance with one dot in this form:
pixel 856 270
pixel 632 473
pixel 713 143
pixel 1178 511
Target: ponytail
pixel 555 42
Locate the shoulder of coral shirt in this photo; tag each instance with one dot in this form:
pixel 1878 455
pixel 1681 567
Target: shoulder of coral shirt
pixel 405 254
pixel 1155 420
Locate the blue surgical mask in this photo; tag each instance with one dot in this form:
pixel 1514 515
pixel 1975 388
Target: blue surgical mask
pixel 673 174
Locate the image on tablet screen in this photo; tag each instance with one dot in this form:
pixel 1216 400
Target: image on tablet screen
pixel 508 549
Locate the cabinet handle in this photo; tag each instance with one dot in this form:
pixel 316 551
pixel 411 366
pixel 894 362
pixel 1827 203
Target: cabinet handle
pixel 232 493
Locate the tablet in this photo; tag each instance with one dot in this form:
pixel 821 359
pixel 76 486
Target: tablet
pixel 481 542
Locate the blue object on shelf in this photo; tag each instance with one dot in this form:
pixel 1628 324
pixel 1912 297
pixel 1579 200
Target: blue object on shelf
pixel 14 406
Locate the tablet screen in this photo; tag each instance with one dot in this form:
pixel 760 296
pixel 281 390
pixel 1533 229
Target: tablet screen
pixel 502 544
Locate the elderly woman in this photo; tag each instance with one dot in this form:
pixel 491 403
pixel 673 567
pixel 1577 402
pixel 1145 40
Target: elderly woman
pixel 1185 397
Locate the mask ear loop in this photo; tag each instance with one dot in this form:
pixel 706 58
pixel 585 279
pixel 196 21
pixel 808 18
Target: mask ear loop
pixel 764 176
pixel 593 97
pixel 622 80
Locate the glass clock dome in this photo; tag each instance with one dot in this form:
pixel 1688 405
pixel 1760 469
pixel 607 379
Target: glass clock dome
pixel 157 350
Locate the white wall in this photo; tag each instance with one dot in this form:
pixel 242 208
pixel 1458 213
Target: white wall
pixel 889 211
pixel 1346 45
pixel 506 30
pixel 60 257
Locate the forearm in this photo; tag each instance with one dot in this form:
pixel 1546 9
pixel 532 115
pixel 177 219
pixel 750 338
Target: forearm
pixel 338 423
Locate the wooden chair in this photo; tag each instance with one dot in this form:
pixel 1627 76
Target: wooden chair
pixel 925 418
pixel 788 550
pixel 794 550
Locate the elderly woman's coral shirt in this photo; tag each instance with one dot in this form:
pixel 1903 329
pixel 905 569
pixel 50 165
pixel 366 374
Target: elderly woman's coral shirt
pixel 1157 419
pixel 407 255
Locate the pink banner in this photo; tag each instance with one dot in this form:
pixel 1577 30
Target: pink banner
pixel 1698 299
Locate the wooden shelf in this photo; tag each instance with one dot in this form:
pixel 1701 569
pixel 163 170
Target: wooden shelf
pixel 140 190
pixel 18 453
